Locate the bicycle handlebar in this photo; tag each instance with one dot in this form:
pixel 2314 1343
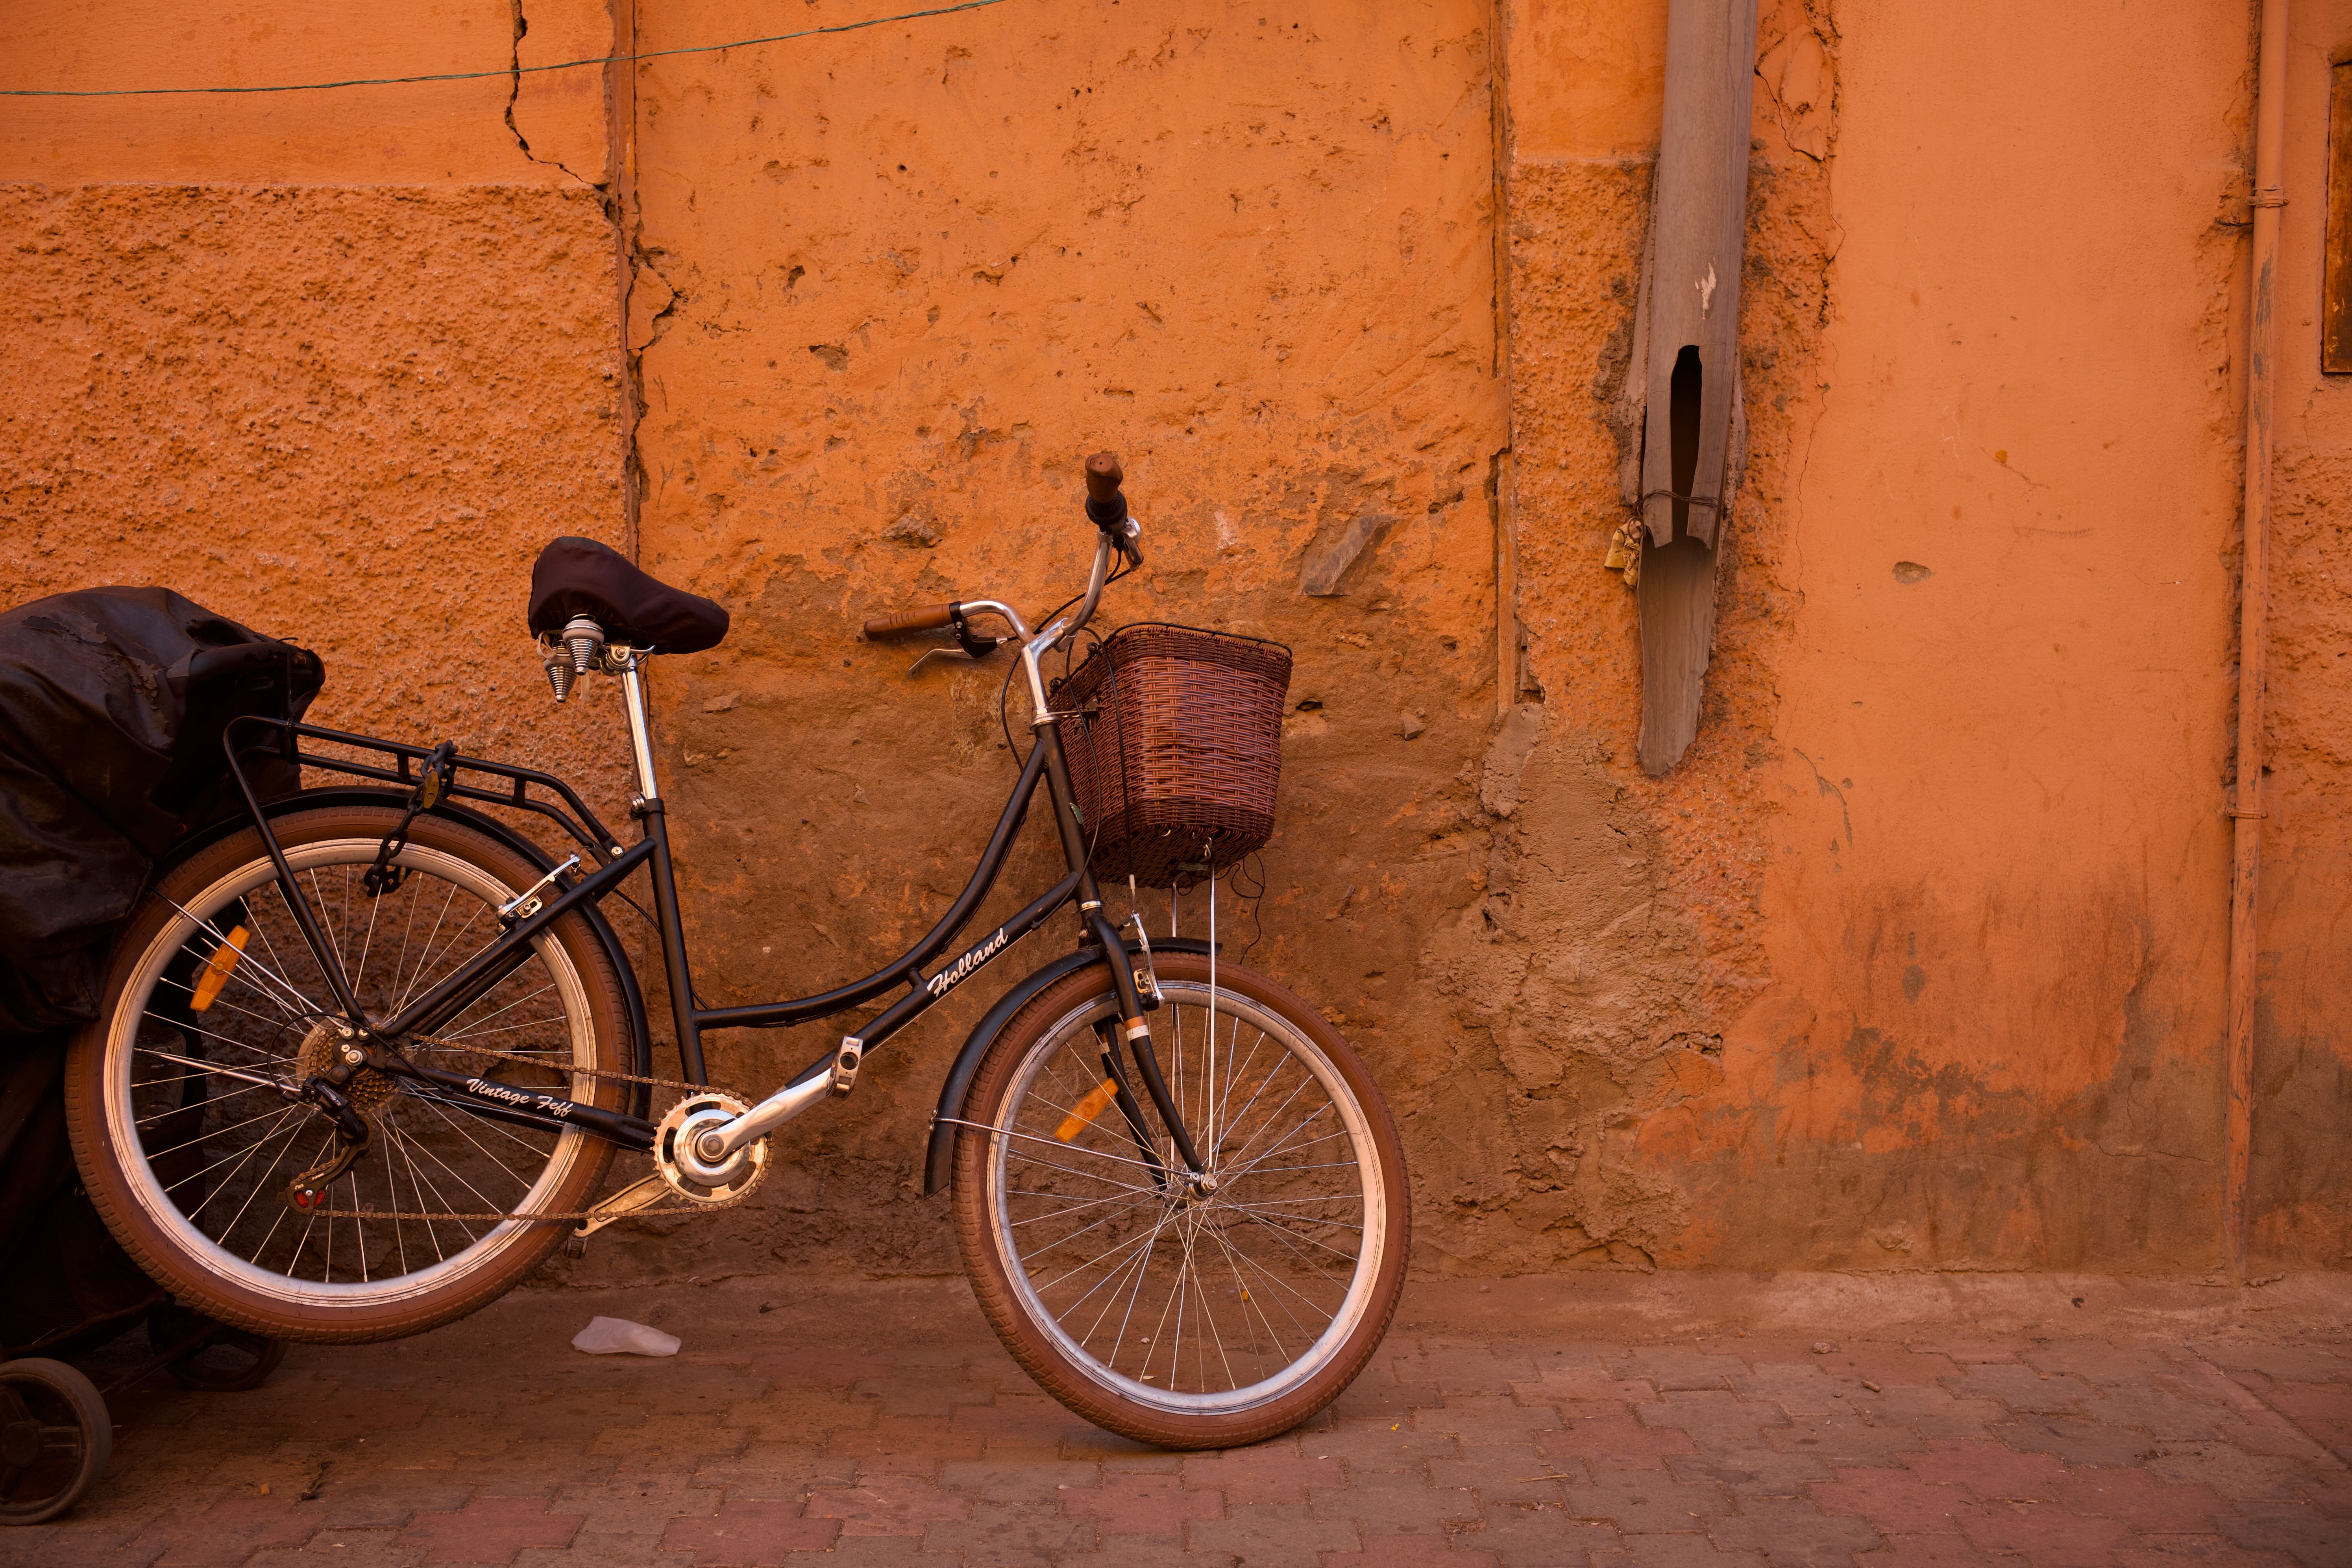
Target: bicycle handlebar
pixel 1106 508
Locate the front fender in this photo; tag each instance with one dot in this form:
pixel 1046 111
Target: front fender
pixel 941 1153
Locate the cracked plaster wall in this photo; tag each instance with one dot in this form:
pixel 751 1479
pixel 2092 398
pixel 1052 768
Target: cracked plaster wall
pixel 1916 962
pixel 336 365
pixel 899 284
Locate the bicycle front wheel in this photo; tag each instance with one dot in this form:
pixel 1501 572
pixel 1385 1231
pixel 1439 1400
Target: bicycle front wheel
pixel 1190 1314
pixel 187 1147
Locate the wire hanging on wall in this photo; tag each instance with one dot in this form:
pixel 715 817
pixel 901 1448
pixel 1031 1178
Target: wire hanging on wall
pixel 512 70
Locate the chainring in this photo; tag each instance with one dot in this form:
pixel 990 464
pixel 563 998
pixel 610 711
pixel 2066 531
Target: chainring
pixel 688 1176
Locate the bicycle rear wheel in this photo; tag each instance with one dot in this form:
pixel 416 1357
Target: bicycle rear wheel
pixel 187 1151
pixel 1183 1314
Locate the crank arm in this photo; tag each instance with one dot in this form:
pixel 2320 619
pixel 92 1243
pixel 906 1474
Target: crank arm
pixel 621 1204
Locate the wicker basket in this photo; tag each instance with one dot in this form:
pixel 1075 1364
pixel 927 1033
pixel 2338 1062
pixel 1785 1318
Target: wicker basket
pixel 1175 748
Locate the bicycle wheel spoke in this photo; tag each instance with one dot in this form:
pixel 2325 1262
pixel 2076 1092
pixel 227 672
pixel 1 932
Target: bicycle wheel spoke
pixel 191 1142
pixel 224 1159
pixel 408 930
pixel 224 1039
pixel 1117 1247
pixel 1113 1279
pixel 505 1029
pixel 258 1188
pixel 261 929
pixel 281 1025
pixel 459 1127
pixel 461 1034
pixel 1270 1115
pixel 1284 1287
pixel 425 958
pixel 1057 1214
pixel 458 1177
pixel 326 927
pixel 184 1110
pixel 1232 1266
pixel 1282 1239
pixel 1075 1148
pixel 415 1176
pixel 1043 1248
pixel 1287 1145
pixel 367 939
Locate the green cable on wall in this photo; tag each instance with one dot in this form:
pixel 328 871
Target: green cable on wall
pixel 505 71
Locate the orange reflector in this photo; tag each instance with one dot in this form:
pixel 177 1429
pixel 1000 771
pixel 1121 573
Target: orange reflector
pixel 216 969
pixel 1089 1108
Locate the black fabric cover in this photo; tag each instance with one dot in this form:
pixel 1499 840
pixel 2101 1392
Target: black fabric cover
pixel 581 577
pixel 65 1285
pixel 113 701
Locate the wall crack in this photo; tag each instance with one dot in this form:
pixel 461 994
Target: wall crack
pixel 514 95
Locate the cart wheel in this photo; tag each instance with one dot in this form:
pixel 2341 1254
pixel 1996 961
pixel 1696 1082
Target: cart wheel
pixel 54 1439
pixel 226 1360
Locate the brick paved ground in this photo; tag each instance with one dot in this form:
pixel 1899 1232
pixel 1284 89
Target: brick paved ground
pixel 1616 1421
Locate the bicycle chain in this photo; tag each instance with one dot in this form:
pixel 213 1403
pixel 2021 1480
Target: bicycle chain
pixel 711 1207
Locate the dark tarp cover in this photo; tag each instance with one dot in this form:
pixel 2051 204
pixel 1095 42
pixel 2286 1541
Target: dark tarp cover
pixel 113 701
pixel 65 1285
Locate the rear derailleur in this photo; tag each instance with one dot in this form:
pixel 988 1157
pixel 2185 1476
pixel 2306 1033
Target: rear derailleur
pixel 334 1077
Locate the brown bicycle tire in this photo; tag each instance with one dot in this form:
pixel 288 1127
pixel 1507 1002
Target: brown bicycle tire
pixel 156 1250
pixel 1034 1350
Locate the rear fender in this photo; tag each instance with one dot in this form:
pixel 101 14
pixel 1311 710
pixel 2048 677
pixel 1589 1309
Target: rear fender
pixel 941 1152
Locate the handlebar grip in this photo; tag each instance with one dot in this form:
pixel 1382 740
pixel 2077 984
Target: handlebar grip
pixel 1104 476
pixel 1105 507
pixel 925 618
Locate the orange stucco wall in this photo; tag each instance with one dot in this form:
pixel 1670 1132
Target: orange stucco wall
pixel 333 365
pixel 1916 960
pixel 2301 1167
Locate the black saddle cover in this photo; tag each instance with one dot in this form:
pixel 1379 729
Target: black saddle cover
pixel 580 577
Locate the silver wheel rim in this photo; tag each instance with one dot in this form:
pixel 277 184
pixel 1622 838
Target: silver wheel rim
pixel 265 986
pixel 1233 1322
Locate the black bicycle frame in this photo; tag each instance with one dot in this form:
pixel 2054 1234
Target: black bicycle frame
pixel 614 864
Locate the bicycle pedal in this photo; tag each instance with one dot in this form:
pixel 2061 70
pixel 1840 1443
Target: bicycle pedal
pixel 846 1063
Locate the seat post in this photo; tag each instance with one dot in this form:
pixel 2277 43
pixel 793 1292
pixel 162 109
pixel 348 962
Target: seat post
pixel 633 694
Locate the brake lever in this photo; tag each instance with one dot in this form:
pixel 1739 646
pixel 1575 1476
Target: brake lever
pixel 970 643
pixel 932 653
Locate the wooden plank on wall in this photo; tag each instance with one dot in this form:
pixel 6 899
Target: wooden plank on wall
pixel 2335 296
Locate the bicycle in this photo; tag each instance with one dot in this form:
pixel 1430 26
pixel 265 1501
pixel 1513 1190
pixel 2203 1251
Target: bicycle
pixel 360 1068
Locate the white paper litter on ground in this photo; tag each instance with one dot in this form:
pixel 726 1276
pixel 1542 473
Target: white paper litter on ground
pixel 618 1336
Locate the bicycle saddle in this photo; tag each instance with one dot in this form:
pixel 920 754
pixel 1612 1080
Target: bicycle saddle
pixel 580 577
